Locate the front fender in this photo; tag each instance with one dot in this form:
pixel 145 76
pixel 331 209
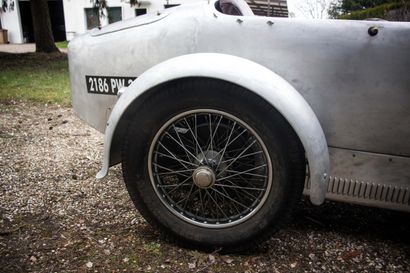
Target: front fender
pixel 250 75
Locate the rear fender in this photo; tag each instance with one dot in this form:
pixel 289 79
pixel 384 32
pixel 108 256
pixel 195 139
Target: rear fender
pixel 250 75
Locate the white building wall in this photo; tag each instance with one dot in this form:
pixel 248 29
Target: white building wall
pixel 10 20
pixel 75 18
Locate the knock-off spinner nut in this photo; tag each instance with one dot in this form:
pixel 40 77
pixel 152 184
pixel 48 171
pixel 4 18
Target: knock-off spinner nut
pixel 204 177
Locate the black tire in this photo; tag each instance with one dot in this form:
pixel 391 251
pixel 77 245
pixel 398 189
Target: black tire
pixel 282 145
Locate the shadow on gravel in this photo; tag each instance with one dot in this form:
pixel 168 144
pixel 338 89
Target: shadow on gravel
pixel 33 233
pixel 354 236
pixel 339 219
pixel 354 220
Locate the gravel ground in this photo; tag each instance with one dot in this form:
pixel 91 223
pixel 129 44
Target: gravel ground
pixel 55 216
pixel 21 48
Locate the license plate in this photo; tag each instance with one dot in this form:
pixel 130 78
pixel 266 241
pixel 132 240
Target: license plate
pixel 107 85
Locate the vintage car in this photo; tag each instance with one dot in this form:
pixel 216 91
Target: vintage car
pixel 221 119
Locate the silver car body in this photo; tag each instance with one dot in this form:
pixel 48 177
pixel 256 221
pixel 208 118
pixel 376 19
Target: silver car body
pixel 346 93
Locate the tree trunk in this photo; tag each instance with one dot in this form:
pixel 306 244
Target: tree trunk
pixel 42 27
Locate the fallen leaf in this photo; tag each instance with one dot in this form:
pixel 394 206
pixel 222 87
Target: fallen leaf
pixel 351 254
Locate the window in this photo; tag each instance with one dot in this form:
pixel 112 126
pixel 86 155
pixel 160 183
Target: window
pixel 139 12
pixel 93 17
pixel 114 14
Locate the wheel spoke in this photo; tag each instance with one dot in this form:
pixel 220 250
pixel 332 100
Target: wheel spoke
pixel 182 183
pixel 245 172
pixel 173 156
pixel 189 195
pixel 175 172
pixel 206 203
pixel 176 158
pixel 182 146
pixel 174 185
pixel 214 133
pixel 236 137
pixel 196 139
pixel 182 143
pixel 202 203
pixel 236 158
pixel 186 197
pixel 196 134
pixel 243 192
pixel 243 156
pixel 231 204
pixel 238 187
pixel 233 200
pixel 217 206
pixel 226 145
pixel 170 171
pixel 210 132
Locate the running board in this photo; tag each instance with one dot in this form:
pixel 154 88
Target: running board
pixel 368 179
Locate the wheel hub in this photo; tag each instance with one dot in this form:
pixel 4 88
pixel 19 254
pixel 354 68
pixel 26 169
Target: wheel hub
pixel 213 160
pixel 204 177
pixel 210 158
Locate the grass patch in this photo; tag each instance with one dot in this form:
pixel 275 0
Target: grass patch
pixel 35 77
pixel 376 12
pixel 62 44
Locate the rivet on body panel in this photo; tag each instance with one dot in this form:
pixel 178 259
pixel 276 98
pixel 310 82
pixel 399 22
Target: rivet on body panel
pixel 373 31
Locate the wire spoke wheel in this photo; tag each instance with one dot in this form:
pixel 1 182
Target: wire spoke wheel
pixel 211 165
pixel 210 168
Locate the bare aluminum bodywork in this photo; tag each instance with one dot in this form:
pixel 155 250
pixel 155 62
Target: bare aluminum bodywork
pixel 250 75
pixel 357 85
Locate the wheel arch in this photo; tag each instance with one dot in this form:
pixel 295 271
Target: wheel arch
pixel 250 75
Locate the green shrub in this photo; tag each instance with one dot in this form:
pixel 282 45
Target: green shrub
pixel 376 12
